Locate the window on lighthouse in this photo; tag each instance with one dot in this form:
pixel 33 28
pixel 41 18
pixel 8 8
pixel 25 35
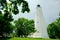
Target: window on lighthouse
pixel 37 21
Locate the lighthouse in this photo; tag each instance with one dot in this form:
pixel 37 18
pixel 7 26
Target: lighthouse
pixel 40 25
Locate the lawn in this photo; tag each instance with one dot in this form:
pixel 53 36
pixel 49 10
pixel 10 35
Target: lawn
pixel 29 39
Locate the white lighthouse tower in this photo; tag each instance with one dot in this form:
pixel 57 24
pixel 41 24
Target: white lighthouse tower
pixel 40 24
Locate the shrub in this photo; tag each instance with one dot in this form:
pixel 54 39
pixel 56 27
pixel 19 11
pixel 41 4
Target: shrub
pixel 54 29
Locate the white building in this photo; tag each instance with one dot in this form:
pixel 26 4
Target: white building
pixel 40 25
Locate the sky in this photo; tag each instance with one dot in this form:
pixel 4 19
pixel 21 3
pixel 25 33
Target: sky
pixel 50 9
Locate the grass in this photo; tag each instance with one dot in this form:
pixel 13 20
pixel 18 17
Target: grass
pixel 17 38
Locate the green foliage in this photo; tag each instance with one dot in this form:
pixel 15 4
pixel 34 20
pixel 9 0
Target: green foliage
pixel 12 7
pixel 7 8
pixel 54 29
pixel 24 27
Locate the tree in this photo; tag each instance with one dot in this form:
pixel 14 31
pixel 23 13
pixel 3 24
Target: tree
pixel 54 29
pixel 7 8
pixel 24 27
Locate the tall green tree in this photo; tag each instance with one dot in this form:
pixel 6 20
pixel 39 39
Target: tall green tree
pixel 7 8
pixel 24 27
